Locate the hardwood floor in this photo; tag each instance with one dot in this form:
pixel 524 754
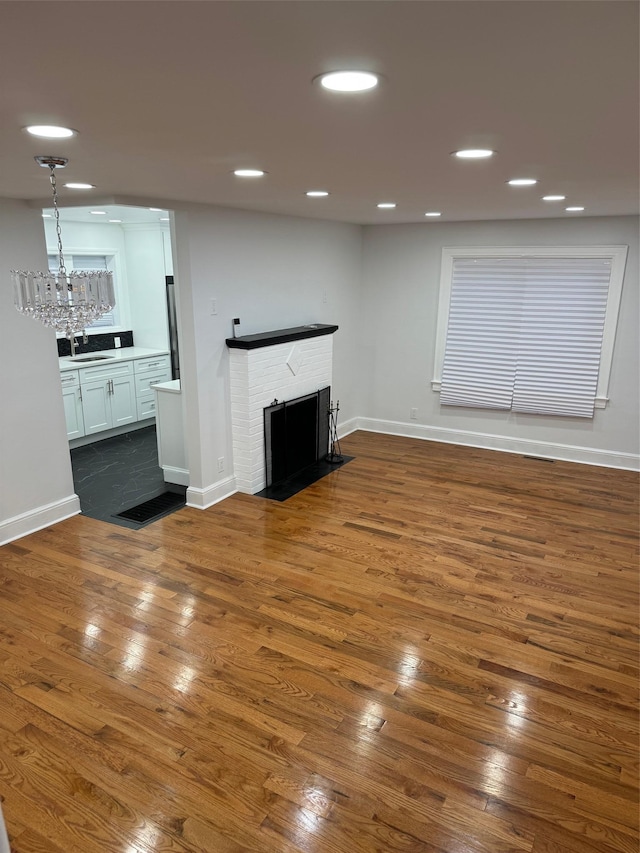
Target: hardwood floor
pixel 433 649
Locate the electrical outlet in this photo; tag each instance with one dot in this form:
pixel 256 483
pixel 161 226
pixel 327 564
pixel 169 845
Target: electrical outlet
pixel 220 464
pixel 214 307
pixel 117 343
pixel 414 414
pixel 324 295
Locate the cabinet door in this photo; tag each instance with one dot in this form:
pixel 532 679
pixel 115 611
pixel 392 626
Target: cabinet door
pixel 73 412
pixel 96 405
pixel 123 401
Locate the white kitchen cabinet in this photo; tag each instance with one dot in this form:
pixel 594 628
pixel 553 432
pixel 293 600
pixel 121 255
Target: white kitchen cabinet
pixel 96 406
pixel 108 396
pixel 149 372
pixel 172 453
pixel 111 391
pixel 146 406
pixel 72 400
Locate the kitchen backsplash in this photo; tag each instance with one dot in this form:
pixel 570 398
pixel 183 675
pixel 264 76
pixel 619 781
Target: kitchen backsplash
pixel 95 343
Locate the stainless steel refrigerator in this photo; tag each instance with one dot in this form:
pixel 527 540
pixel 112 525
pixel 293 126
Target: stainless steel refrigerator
pixel 172 321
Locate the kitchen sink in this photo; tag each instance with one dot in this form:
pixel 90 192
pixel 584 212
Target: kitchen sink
pixel 83 358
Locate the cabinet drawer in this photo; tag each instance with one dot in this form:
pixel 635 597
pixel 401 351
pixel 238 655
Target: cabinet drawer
pixel 108 370
pixel 152 365
pixel 70 379
pixel 147 379
pixel 146 404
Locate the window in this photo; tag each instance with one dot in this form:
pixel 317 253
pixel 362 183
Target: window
pixel 528 329
pixel 88 262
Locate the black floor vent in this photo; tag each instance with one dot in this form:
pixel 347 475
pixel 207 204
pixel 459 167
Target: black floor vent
pixel 153 509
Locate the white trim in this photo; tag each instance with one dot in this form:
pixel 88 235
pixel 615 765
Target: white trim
pixel 93 437
pixel 617 255
pixel 505 444
pixel 204 498
pixel 35 519
pixel 348 427
pixel 180 476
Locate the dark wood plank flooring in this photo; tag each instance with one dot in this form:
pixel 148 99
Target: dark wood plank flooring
pixel 434 649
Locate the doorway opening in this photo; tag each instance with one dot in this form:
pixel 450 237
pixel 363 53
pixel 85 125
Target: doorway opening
pixel 108 384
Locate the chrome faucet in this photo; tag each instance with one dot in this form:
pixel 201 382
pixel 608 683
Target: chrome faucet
pixel 73 341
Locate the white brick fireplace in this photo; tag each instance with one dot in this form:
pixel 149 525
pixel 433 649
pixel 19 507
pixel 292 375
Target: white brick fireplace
pixel 269 369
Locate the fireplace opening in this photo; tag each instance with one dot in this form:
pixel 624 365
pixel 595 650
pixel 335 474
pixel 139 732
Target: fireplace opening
pixel 296 435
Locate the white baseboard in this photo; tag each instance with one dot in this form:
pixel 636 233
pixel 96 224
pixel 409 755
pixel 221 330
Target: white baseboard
pixel 36 519
pixel 506 444
pixel 348 427
pixel 179 476
pixel 204 498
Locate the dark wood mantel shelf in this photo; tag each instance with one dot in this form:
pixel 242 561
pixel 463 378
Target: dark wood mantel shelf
pixel 281 336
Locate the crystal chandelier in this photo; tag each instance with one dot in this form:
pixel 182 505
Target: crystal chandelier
pixel 67 302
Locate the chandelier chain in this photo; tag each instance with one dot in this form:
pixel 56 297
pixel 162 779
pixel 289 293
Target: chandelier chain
pixel 66 302
pixel 62 270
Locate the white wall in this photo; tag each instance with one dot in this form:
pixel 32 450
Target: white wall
pixel 98 238
pixel 400 303
pixel 36 484
pixel 273 272
pixel 146 271
pixel 142 254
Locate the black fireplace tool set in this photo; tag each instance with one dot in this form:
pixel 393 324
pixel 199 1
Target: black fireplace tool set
pixel 334 456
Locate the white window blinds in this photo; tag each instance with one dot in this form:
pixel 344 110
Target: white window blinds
pixel 525 334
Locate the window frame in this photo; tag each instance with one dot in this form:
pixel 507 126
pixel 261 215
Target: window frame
pixel 114 265
pixel 617 255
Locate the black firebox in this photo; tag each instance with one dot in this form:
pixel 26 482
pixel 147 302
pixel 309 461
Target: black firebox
pixel 296 435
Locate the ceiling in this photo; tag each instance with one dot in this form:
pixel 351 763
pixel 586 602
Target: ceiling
pixel 110 214
pixel 170 97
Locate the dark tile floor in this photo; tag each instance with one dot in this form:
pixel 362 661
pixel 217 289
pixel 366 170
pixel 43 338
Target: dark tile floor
pixel 118 473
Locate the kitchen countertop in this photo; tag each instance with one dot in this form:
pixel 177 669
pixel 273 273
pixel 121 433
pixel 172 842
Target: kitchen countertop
pixel 172 386
pixel 115 355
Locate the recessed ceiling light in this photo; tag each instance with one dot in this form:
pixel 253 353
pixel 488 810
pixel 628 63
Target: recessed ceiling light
pixel 522 182
pixel 317 193
pixel 46 216
pixel 115 221
pixel 249 173
pixel 388 204
pixel 553 197
pixel 156 209
pixel 574 209
pixel 164 219
pixel 98 212
pixel 474 153
pixel 433 213
pixel 80 186
pixel 349 81
pixel 50 131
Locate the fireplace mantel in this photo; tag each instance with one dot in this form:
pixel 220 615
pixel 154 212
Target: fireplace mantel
pixel 280 336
